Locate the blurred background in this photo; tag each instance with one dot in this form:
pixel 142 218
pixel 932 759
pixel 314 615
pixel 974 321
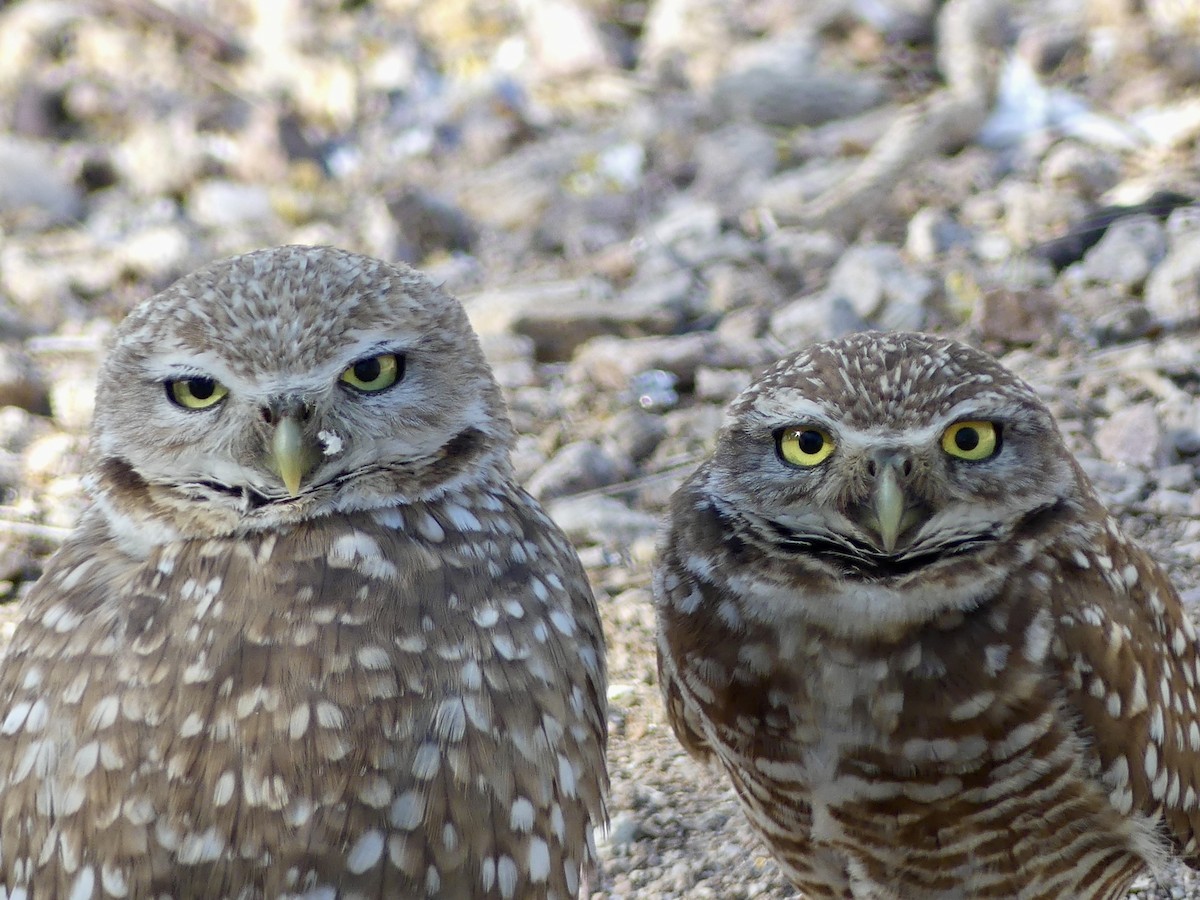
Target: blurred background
pixel 640 202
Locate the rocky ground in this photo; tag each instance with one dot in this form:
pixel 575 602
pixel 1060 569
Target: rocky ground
pixel 640 202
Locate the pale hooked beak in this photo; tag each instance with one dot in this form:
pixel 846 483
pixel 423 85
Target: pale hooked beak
pixel 287 446
pixel 891 511
pixel 293 451
pixel 889 508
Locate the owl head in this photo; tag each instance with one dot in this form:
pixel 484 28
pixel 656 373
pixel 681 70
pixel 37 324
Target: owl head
pixel 291 383
pixel 892 460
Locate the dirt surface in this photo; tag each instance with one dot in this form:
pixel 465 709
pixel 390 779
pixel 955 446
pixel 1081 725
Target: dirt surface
pixel 641 204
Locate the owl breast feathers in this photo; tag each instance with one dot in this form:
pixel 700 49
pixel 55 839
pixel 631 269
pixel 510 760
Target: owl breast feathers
pixel 893 609
pixel 311 639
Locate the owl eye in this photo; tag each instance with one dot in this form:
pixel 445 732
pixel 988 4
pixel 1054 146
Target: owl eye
pixel 971 440
pixel 375 373
pixel 804 446
pixel 195 393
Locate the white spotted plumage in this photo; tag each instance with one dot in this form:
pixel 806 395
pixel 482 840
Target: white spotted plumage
pixel 310 640
pixel 928 671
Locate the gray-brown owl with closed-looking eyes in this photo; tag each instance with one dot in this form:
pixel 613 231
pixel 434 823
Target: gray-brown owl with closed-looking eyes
pixel 893 609
pixel 311 639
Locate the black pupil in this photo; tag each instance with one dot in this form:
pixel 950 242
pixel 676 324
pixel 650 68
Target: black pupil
pixel 966 439
pixel 201 388
pixel 810 442
pixel 367 369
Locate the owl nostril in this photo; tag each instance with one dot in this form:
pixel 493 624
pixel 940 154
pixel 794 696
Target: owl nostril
pixel 897 460
pixel 277 409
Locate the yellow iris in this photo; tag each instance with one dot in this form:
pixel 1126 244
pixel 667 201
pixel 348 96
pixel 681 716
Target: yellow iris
pixel 805 446
pixel 375 373
pixel 196 393
pixel 971 440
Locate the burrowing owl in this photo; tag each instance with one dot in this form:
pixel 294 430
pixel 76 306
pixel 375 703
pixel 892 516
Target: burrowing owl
pixel 311 640
pixel 893 609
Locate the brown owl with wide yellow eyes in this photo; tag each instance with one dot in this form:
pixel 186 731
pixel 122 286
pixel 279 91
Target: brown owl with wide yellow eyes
pixel 311 640
pixel 893 609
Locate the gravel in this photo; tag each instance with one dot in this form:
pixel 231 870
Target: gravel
pixel 641 204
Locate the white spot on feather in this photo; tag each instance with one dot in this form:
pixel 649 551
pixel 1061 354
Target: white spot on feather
pixel 433 878
pixel 407 812
pixel 389 518
pixel 428 528
pixel 72 578
pixel 372 657
pixel 224 788
pixel 299 812
pixel 331 442
pixel 1179 642
pixel 506 647
pixel 558 826
pixel 104 713
pixel 1157 729
pixel 539 860
pixel 461 517
pixel 488 872
pixel 207 846
pixel 366 852
pixel 113 881
pixel 356 550
pixel 60 619
pixel 506 876
pixel 450 720
pixel 86 758
pixel 571 875
pixel 995 658
pixel 329 715
pixel 1138 701
pixel 520 818
pixel 1117 774
pixel 1151 761
pixel 1159 786
pixel 1122 801
pixel 972 706
pixel 15 718
pixel 566 776
pixel 486 616
pixel 426 761
pixel 563 621
pixel 298 722
pixel 84 884
pixel 71 799
pixel 255 697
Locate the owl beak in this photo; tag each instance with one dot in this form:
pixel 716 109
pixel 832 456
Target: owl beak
pixel 287 444
pixel 292 453
pixel 889 508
